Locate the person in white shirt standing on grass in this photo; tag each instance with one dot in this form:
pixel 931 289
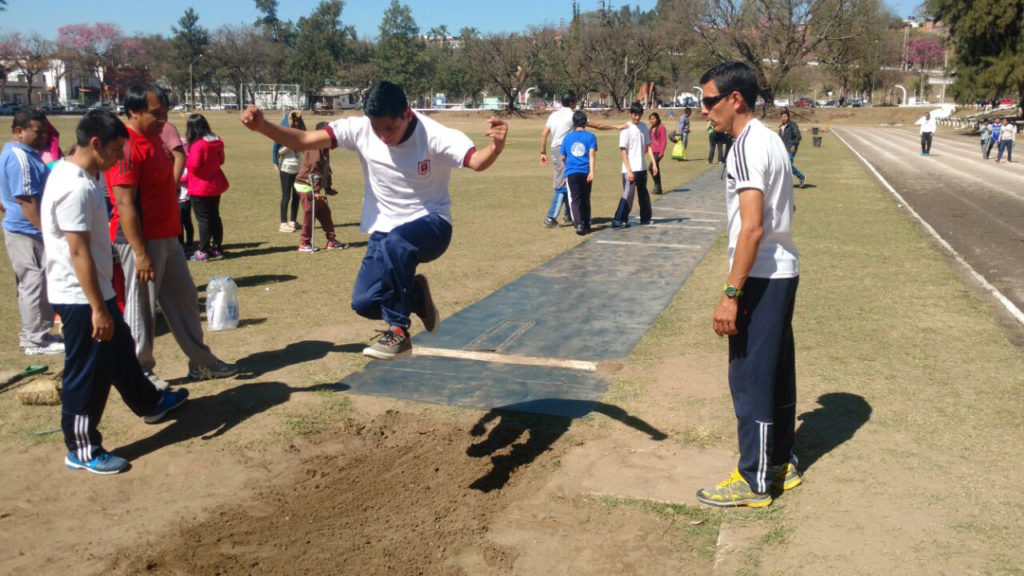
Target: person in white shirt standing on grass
pixel 927 131
pixel 99 349
pixel 756 308
pixel 635 148
pixel 407 161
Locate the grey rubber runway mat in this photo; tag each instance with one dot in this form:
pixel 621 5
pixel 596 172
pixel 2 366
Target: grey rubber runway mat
pixel 592 303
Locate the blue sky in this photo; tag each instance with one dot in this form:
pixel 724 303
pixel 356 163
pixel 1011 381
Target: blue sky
pixel 158 17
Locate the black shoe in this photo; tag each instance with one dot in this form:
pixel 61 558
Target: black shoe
pixel 428 313
pixel 616 225
pixel 566 219
pixel 550 223
pixel 581 231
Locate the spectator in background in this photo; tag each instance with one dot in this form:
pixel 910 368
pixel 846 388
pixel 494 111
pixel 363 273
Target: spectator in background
pixel 287 162
pixel 22 178
pixel 684 129
pixel 51 152
pixel 206 184
pixel 985 132
pixel 1007 135
pixel 789 131
pixel 314 183
pixel 659 140
pixel 927 131
pixel 993 140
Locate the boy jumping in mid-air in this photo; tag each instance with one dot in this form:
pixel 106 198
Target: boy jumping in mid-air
pixel 407 161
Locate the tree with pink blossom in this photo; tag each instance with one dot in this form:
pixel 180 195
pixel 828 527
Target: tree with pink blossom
pixel 91 48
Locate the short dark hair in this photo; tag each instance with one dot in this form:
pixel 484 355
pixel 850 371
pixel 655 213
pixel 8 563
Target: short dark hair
pixel 386 99
pixel 785 112
pixel 568 98
pixel 686 110
pixel 24 115
pixel 295 120
pixel 322 125
pixel 579 119
pixel 102 124
pixel 734 76
pixel 135 97
pixel 196 127
pixel 636 108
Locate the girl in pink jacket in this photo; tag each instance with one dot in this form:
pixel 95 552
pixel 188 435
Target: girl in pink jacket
pixel 206 182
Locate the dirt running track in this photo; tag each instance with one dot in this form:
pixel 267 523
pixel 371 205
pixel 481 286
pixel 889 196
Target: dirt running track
pixel 976 205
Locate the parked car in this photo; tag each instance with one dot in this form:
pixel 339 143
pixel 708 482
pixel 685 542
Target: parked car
pixel 806 103
pixel 51 108
pixel 74 108
pixel 9 108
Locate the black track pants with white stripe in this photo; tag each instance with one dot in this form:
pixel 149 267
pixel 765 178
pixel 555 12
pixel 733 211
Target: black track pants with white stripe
pixel 90 367
pixel 762 378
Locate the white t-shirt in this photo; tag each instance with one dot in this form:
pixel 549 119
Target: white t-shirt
pixel 73 201
pixel 635 139
pixel 758 159
pixel 407 181
pixel 928 125
pixel 560 124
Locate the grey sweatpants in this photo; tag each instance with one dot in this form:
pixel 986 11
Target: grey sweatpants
pixel 29 262
pixel 174 289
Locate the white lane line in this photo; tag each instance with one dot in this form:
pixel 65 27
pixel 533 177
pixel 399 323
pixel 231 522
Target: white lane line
pixel 680 246
pixel 1010 306
pixel 506 358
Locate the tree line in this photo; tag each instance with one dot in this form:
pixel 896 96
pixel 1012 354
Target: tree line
pixel 608 52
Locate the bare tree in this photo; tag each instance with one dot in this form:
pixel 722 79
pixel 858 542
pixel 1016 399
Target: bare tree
pixel 245 55
pixel 30 53
pixel 508 62
pixel 622 53
pixel 774 36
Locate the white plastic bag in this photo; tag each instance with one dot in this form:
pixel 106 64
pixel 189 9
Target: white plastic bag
pixel 221 304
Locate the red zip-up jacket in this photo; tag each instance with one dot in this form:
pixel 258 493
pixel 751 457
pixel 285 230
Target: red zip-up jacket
pixel 205 157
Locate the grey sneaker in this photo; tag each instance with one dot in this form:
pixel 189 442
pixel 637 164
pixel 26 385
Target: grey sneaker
pixel 390 345
pixel 218 370
pixel 550 223
pixel 157 381
pixel 428 314
pixel 51 347
pixel 103 463
pixel 566 219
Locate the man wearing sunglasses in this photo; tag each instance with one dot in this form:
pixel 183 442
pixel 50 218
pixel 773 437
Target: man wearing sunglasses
pixel 756 308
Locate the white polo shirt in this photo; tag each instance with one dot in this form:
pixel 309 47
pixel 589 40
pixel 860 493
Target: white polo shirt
pixel 560 124
pixel 73 201
pixel 758 159
pixel 406 181
pixel 634 140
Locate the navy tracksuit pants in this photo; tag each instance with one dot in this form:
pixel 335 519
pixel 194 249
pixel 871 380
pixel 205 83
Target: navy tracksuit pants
pixel 385 287
pixel 638 188
pixel 90 367
pixel 762 378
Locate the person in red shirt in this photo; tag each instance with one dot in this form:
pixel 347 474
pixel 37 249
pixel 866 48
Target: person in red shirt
pixel 659 140
pixel 206 183
pixel 144 227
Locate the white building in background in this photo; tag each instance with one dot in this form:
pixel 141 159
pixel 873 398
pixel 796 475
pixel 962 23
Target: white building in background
pixel 57 84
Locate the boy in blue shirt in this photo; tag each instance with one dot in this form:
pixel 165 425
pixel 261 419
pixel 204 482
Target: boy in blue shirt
pixel 578 149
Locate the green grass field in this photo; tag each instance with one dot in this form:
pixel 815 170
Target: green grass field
pixel 915 470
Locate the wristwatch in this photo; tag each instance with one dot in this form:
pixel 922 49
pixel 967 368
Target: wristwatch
pixel 731 291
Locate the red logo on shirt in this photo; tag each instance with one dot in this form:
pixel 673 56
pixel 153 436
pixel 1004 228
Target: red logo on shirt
pixel 424 167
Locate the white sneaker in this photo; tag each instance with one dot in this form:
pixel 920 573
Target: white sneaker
pixel 52 347
pixel 157 381
pixel 286 227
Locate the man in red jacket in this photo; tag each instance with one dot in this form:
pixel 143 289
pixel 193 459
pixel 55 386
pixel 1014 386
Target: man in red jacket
pixel 144 228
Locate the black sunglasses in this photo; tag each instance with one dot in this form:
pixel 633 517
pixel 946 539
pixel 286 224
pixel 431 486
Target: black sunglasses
pixel 710 101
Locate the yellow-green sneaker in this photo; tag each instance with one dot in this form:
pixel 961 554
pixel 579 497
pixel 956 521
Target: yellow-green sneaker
pixel 786 476
pixel 733 491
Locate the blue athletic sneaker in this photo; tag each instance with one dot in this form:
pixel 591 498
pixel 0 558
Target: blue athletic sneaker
pixel 103 463
pixel 169 400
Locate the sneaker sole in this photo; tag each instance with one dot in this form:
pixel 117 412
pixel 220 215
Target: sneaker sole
pixel 749 503
pixel 792 483
pixel 432 327
pixel 372 353
pixel 72 466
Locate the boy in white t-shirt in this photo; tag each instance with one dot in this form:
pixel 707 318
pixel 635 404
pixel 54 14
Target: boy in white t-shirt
pixel 756 307
pixel 635 148
pixel 98 346
pixel 407 161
